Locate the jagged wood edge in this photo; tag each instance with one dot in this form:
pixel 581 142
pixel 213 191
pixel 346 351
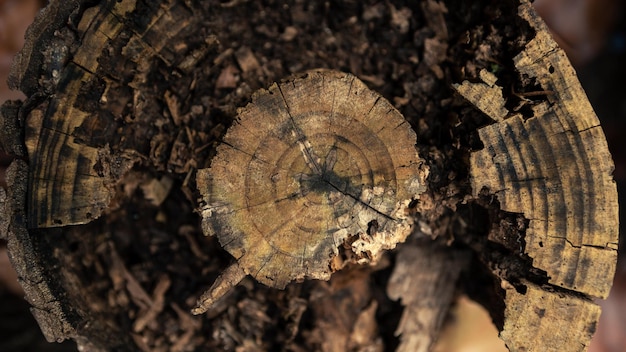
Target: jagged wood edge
pixel 561 316
pixel 42 282
pixel 83 187
pixel 57 319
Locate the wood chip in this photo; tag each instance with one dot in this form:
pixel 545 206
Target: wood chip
pixel 365 330
pixel 189 325
pixel 123 278
pixel 173 105
pixel 157 190
pixel 487 98
pixel 228 78
pixel 158 303
pixel 400 19
pixel 289 34
pixel 246 60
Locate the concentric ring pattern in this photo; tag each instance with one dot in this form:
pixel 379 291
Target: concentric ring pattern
pixel 309 163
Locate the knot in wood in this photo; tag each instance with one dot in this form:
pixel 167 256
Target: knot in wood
pixel 312 165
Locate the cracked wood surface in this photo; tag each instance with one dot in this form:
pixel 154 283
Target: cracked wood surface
pixel 315 165
pixel 555 168
pixel 72 171
pixel 75 101
pixel 68 125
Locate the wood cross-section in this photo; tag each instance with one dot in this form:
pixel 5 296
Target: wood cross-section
pixel 555 168
pixel 313 164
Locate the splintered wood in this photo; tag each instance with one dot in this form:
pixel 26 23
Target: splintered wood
pixel 315 166
pixel 424 280
pixel 316 173
pixel 555 168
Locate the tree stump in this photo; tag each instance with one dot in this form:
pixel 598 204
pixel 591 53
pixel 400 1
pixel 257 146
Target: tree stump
pixel 128 100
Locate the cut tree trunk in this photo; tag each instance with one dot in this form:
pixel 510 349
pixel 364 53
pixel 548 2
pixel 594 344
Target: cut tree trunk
pixel 128 99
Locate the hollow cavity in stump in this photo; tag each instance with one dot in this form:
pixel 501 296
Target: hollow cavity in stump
pixel 314 165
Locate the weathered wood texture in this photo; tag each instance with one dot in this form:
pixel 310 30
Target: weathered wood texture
pixel 70 120
pixel 314 166
pixel 72 168
pixel 133 95
pixel 555 168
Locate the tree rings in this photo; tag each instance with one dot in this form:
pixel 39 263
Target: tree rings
pixel 313 165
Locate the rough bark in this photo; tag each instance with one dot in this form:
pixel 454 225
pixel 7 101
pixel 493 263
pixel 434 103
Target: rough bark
pixel 426 296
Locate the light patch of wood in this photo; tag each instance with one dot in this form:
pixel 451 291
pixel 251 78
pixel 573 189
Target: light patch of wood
pixel 541 320
pixel 485 95
pixel 469 329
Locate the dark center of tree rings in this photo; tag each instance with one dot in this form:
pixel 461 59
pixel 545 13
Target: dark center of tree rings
pixel 311 164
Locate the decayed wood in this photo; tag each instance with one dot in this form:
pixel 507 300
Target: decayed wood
pixel 555 168
pixel 424 280
pixel 65 188
pixel 486 96
pixel 315 165
pixel 345 313
pixel 72 170
pixel 67 123
pixel 49 312
pixel 552 167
